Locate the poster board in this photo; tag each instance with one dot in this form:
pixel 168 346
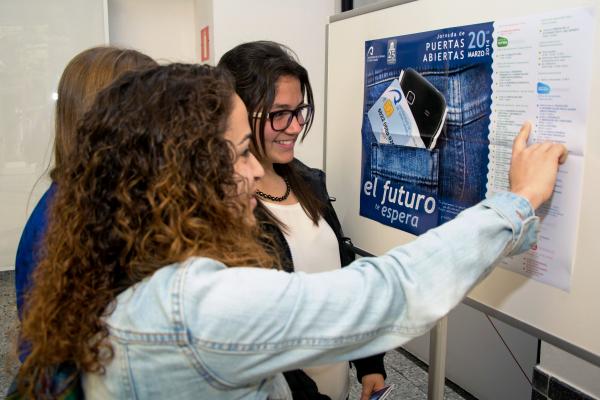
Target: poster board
pixel 567 319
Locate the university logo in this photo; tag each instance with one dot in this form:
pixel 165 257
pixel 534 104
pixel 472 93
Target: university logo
pixel 391 52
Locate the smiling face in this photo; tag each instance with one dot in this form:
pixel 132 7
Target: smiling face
pixel 279 146
pixel 246 166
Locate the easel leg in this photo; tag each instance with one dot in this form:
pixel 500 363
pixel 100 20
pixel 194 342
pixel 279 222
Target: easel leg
pixel 437 360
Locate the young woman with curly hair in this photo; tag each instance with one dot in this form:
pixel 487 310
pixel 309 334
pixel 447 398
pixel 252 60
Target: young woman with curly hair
pixel 155 283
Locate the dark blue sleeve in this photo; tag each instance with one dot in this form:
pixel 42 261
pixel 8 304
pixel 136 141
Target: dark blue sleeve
pixel 29 246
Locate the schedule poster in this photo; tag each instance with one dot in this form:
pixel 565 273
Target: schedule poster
pixel 441 109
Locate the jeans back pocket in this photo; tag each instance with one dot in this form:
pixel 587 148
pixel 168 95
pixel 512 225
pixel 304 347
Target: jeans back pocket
pixel 412 166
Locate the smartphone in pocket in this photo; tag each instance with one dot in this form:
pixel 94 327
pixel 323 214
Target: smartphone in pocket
pixel 427 105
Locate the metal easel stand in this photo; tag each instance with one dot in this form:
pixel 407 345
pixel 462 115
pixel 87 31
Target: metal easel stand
pixel 438 340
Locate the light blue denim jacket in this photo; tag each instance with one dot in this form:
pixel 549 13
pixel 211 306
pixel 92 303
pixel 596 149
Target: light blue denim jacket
pixel 200 330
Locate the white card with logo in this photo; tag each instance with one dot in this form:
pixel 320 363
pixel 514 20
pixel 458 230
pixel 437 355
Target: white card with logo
pixel 392 121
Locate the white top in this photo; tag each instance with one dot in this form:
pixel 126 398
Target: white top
pixel 314 248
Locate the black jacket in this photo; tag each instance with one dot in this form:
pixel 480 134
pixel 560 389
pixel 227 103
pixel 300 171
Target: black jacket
pixel 316 180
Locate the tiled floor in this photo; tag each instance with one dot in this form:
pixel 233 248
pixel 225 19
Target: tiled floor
pixel 8 327
pixel 410 377
pixel 403 370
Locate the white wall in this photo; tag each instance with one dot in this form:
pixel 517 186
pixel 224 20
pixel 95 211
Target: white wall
pixel 165 30
pixel 572 370
pixel 170 31
pixel 204 17
pixel 37 40
pixel 297 24
pixel 478 361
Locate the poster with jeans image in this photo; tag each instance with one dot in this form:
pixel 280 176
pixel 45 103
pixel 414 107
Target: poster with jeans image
pixel 441 109
pixel 415 180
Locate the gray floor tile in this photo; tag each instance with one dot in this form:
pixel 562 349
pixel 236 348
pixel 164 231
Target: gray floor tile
pixel 450 394
pixel 409 377
pixel 404 388
pixel 407 368
pixel 8 329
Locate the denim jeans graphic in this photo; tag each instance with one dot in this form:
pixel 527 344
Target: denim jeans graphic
pixel 455 171
pixel 408 172
pixel 413 188
pixel 464 145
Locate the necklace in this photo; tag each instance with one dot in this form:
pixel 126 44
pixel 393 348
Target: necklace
pixel 274 198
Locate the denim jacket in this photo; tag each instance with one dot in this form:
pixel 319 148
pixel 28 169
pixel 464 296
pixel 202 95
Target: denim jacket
pixel 201 330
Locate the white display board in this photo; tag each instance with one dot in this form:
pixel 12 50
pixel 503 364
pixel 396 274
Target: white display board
pixel 37 40
pixel 568 319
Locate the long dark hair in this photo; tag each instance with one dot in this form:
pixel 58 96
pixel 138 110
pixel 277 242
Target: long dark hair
pixel 149 184
pixel 256 67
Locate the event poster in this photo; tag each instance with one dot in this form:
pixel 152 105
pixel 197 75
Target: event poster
pixel 441 109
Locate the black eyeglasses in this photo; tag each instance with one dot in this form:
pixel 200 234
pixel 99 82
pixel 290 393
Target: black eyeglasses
pixel 282 119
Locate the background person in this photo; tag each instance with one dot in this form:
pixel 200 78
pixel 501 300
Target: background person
pixel 82 78
pixel 87 73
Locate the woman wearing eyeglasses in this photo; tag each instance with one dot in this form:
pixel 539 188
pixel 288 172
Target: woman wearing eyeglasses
pixel 294 204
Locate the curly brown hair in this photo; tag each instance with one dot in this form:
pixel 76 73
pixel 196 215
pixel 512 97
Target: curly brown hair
pixel 148 185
